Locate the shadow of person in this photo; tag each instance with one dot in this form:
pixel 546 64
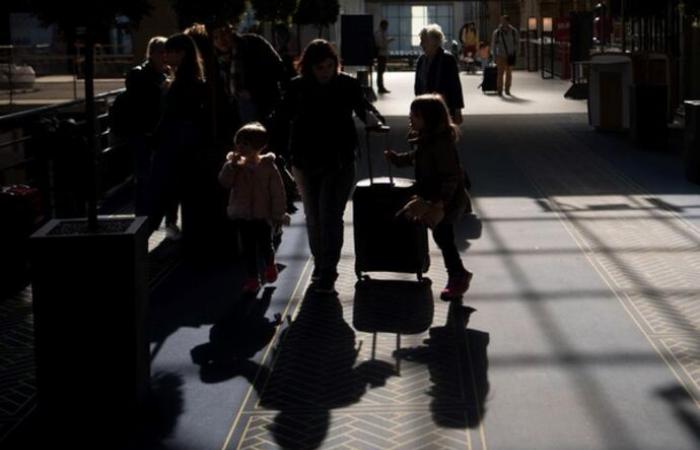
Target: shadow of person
pixel 458 364
pixel 314 372
pixel 514 99
pixel 238 335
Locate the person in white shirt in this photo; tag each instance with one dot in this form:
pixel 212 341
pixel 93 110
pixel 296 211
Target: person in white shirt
pixel 381 41
pixel 504 47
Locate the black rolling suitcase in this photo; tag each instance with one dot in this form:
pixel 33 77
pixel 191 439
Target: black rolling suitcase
pixel 488 83
pixel 383 241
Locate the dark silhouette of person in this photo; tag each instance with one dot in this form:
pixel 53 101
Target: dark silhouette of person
pixel 146 85
pixel 314 125
pixel 180 133
pixel 253 73
pixel 382 41
pixel 437 72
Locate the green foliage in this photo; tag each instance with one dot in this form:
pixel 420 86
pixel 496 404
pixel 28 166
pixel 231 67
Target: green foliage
pixel 93 15
pixel 208 11
pixel 317 12
pixel 274 10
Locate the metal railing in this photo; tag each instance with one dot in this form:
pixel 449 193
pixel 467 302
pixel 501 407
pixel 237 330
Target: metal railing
pixel 38 149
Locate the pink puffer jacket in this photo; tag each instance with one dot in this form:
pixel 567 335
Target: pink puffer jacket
pixel 257 191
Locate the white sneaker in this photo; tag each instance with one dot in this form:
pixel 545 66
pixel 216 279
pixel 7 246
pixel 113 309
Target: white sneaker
pixel 173 232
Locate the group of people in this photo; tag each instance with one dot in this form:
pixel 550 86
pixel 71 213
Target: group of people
pixel 218 117
pixel 503 48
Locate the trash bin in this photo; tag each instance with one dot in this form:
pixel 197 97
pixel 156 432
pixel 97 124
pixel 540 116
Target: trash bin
pixel 691 147
pixel 610 79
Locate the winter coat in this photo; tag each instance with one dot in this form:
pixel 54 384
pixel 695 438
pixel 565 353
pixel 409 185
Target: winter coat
pixel 439 174
pixel 144 87
pixel 257 191
pixel 442 78
pixel 314 122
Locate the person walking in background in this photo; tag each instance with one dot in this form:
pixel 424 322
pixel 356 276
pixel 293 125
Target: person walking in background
pixel 257 201
pixel 504 46
pixel 314 123
pixel 381 41
pixel 441 194
pixel 437 71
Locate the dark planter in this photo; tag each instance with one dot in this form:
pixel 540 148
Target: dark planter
pixel 90 301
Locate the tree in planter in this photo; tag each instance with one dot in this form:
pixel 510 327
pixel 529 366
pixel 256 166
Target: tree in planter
pixel 207 11
pixel 274 11
pixel 88 19
pixel 320 13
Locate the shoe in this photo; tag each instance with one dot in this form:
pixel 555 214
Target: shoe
pixel 507 91
pixel 457 285
pixel 172 232
pixel 384 91
pixel 251 285
pixel 271 272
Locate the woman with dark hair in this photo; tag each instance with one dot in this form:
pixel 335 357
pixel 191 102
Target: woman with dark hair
pixel 180 132
pixel 314 125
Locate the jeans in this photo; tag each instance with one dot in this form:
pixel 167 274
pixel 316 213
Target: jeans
pixel 444 236
pixel 324 196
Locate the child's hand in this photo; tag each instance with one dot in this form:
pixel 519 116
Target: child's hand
pixel 234 157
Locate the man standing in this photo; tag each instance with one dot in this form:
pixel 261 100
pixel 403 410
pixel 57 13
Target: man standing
pixel 381 41
pixel 504 46
pixel 437 71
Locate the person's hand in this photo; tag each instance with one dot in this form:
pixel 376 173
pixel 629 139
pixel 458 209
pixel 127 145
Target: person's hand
pixel 391 156
pixel 284 220
pixel 234 157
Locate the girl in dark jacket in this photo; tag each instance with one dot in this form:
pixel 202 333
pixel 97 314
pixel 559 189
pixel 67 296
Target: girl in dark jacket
pixel 314 125
pixel 441 197
pixel 180 132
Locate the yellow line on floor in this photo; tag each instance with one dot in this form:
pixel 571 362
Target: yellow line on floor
pixel 302 278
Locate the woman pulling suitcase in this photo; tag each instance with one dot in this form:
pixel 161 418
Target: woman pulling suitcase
pixel 315 124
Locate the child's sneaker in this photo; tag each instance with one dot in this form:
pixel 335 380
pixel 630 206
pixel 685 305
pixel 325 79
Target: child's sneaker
pixel 271 272
pixel 457 285
pixel 251 285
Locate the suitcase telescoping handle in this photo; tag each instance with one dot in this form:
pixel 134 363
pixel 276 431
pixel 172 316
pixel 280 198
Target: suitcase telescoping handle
pixel 379 129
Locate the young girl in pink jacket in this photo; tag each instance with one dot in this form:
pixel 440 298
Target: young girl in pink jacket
pixel 257 201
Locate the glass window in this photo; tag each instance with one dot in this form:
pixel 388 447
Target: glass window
pixel 406 21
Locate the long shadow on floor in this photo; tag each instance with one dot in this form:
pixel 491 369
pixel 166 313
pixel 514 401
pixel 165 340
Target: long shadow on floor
pixel 458 363
pixel 314 372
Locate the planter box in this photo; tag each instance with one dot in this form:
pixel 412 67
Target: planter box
pixel 90 304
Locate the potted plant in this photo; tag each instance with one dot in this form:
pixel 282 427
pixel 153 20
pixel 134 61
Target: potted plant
pixel 89 278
